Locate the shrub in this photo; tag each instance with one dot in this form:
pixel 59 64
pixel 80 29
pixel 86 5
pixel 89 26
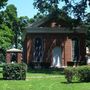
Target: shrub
pixel 80 73
pixel 69 73
pixel 14 71
pixel 84 73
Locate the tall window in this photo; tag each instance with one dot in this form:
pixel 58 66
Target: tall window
pixel 75 50
pixel 38 50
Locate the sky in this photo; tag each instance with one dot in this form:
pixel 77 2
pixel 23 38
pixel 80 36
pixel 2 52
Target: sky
pixel 24 7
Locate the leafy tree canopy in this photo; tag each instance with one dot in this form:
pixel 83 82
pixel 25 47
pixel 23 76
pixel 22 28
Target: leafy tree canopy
pixel 10 15
pixel 78 7
pixel 3 3
pixel 11 11
pixel 6 36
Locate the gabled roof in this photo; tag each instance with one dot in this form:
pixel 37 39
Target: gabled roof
pixel 41 27
pixel 39 22
pixel 48 18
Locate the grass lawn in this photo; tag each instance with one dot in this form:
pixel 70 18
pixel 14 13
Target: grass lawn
pixel 42 80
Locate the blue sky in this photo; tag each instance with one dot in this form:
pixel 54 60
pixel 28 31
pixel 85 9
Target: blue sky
pixel 24 7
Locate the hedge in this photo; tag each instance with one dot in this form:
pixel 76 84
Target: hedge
pixel 80 74
pixel 14 71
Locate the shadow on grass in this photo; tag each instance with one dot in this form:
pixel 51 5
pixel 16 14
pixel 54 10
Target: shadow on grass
pixel 1 78
pixel 56 71
pixel 77 82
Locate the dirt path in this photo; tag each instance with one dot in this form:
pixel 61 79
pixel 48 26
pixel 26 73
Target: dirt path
pixel 44 77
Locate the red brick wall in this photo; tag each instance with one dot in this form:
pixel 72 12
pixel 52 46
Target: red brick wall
pixel 64 41
pixel 8 57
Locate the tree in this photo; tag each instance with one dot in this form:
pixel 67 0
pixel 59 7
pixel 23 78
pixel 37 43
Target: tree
pixel 46 5
pixel 15 24
pixel 36 17
pixel 6 36
pixel 23 22
pixel 3 3
pixel 78 7
pixel 1 17
pixel 10 15
pixel 2 33
pixel 11 20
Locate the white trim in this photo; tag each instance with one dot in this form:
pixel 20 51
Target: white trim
pixel 14 50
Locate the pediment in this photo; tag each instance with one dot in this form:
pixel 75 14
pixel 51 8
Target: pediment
pixel 51 21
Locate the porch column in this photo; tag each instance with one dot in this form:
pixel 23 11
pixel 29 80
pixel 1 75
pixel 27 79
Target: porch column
pixel 28 49
pixel 8 57
pixel 67 51
pixel 19 57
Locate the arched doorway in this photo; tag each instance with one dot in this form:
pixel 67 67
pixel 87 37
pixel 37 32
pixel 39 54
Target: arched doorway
pixel 56 57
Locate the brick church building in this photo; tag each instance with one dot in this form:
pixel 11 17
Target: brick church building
pixel 52 42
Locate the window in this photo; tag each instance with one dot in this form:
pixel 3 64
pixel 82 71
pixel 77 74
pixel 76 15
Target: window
pixel 75 50
pixel 38 50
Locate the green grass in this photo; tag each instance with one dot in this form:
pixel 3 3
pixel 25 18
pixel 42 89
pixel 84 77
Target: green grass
pixel 42 80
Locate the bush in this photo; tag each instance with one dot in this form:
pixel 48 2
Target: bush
pixel 14 71
pixel 70 72
pixel 80 73
pixel 84 73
